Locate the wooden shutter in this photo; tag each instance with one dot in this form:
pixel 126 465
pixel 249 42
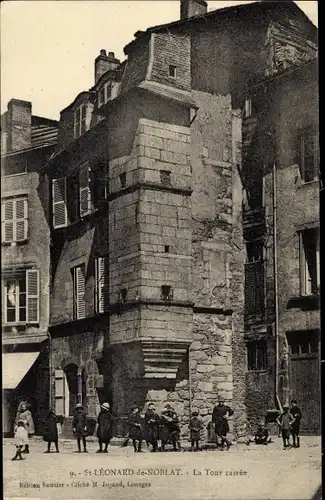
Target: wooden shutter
pixel 21 219
pixel 32 296
pixel 59 202
pixel 85 191
pixel 80 292
pixel 83 118
pixel 101 285
pixel 7 220
pixel 59 389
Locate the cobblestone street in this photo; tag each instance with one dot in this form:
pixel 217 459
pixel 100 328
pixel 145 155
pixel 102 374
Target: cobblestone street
pixel 242 473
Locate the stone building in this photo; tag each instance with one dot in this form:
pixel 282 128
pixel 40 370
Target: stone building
pixel 27 142
pixel 148 252
pixel 280 171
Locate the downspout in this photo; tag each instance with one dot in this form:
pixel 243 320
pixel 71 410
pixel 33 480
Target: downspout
pixel 190 381
pixel 276 296
pixel 50 368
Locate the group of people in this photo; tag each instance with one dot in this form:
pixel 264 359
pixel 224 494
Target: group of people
pixel 151 429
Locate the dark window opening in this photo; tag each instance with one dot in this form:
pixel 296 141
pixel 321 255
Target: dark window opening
pixel 257 355
pixel 73 197
pixel 309 262
pixel 123 179
pixel 302 343
pixel 123 295
pixel 166 248
pixel 166 292
pixel 172 71
pixel 165 177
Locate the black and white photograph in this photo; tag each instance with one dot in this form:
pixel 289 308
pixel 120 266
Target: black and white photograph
pixel 160 255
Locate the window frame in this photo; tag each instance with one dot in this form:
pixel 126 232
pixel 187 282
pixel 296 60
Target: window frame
pixel 30 297
pixel 80 120
pixel 101 289
pixel 260 353
pixel 307 288
pixel 85 170
pixel 14 221
pixel 305 135
pixel 62 201
pixel 172 67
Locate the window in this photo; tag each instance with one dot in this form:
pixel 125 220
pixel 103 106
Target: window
pixel 123 295
pixel 59 202
pixel 167 293
pixel 101 285
pixel 21 293
pixel 254 279
pixel 303 342
pixel 309 262
pixel 14 215
pixel 79 291
pixel 257 355
pixel 166 248
pixel 309 156
pixel 80 118
pixel 165 177
pixel 104 94
pixel 73 197
pixel 172 71
pixel 123 179
pixel 248 107
pixel 85 195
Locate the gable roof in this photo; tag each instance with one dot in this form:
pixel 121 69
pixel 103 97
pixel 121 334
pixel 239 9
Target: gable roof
pixel 224 13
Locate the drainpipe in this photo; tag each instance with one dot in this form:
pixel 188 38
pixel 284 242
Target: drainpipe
pixel 190 380
pixel 276 297
pixel 50 368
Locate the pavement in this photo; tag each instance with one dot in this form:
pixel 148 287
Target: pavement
pixel 244 472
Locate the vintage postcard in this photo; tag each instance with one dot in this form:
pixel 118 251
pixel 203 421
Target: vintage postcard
pixel 160 250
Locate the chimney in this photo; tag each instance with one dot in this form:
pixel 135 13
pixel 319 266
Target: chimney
pixel 191 8
pixel 104 63
pixel 19 124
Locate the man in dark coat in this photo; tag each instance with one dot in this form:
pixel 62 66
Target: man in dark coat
pixel 135 428
pixel 79 424
pixel 51 431
pixel 295 426
pixel 104 427
pixel 151 419
pixel 220 415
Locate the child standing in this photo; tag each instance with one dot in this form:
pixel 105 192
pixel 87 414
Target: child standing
pixel 79 424
pixel 21 439
pixel 195 426
pixel 135 428
pixel 284 421
pixel 295 427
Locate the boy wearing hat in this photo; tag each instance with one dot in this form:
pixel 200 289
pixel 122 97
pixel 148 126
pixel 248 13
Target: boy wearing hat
pixel 135 428
pixel 151 419
pixel 79 424
pixel 285 420
pixel 295 427
pixel 21 438
pixel 220 415
pixel 104 427
pixel 262 434
pixel 195 426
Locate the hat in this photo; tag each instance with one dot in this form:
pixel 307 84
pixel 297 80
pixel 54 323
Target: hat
pixel 21 421
pixel 286 405
pixel 221 398
pixel 195 413
pixel 106 406
pixel 134 407
pixel 79 405
pixel 168 407
pixel 150 405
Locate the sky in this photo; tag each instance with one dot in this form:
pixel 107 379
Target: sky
pixel 48 47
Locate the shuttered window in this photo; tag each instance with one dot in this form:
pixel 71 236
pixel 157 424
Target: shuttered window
pixel 59 392
pixel 21 293
pixel 79 291
pixel 309 262
pixel 257 355
pixel 254 288
pixel 101 285
pixel 59 202
pixel 14 215
pixel 85 195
